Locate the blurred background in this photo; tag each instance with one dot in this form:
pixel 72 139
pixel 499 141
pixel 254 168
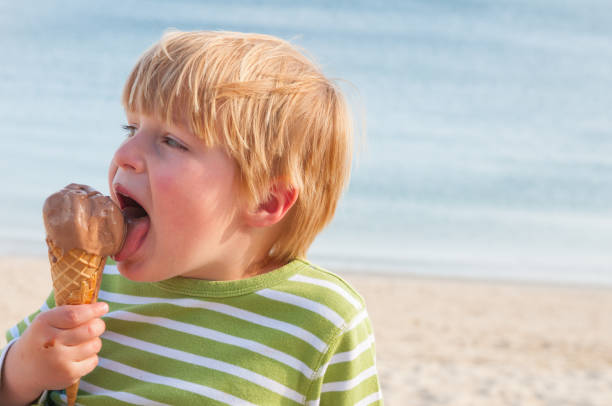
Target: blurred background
pixel 487 156
pixel 488 148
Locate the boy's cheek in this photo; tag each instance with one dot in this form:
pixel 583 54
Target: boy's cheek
pixel 169 197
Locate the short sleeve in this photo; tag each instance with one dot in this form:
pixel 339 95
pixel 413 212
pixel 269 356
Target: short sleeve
pixel 348 375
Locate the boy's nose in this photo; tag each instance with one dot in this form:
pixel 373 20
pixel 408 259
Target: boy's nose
pixel 129 155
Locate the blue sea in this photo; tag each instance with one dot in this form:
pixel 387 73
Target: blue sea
pixel 485 127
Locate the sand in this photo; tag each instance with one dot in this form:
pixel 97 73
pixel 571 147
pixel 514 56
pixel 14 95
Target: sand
pixel 449 342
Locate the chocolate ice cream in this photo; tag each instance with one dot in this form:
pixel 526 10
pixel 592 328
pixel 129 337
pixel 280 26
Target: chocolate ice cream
pixel 81 217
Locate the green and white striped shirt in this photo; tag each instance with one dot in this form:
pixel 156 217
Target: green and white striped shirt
pixel 298 335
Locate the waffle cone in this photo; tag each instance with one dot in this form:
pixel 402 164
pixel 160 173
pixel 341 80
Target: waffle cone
pixel 76 276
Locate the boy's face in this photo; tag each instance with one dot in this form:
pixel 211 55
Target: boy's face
pixel 181 202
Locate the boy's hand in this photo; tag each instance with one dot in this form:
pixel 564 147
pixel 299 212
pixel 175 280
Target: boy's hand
pixel 59 347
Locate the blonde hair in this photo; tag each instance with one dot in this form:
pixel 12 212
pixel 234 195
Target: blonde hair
pixel 271 108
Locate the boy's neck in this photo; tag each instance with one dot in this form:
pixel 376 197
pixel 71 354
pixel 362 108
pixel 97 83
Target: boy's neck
pixel 247 257
pixel 235 273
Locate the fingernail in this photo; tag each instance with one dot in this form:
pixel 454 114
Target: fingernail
pixel 102 306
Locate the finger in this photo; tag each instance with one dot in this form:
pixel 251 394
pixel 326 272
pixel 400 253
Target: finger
pixel 71 316
pixel 83 351
pixel 85 332
pixel 85 366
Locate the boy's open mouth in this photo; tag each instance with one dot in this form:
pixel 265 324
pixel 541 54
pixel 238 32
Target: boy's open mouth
pixel 138 223
pixel 130 208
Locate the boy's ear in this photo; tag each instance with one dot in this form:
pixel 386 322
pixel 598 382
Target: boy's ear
pixel 281 198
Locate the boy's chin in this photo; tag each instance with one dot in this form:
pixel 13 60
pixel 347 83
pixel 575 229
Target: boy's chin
pixel 133 271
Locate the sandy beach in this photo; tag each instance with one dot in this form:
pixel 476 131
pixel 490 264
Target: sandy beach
pixel 449 342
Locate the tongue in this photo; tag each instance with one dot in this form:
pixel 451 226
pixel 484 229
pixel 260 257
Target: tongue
pixel 137 229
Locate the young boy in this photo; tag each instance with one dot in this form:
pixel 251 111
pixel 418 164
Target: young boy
pixel 237 152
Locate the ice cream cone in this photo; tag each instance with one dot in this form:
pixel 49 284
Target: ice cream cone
pixel 76 278
pixel 83 229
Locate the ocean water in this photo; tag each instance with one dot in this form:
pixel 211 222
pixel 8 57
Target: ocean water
pixel 488 124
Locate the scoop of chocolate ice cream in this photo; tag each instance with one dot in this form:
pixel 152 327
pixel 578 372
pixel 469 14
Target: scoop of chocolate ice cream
pixel 80 217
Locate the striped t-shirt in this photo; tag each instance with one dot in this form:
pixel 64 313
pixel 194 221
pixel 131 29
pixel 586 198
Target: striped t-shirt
pixel 298 335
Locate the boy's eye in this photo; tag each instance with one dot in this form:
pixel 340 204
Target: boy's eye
pixel 171 142
pixel 130 129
